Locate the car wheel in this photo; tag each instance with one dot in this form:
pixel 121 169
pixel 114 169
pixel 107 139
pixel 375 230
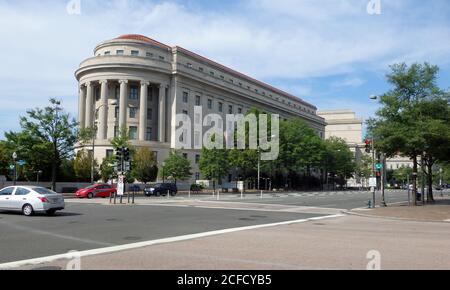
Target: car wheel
pixel 90 195
pixel 27 210
pixel 51 212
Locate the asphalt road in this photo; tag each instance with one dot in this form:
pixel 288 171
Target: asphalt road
pixel 341 200
pixel 91 226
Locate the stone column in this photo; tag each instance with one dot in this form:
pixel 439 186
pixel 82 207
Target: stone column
pixel 123 103
pixel 143 111
pixel 82 107
pixel 103 111
pixel 89 105
pixel 162 113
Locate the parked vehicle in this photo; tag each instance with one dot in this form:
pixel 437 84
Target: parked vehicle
pixel 134 187
pixel 159 189
pixel 30 200
pixel 97 190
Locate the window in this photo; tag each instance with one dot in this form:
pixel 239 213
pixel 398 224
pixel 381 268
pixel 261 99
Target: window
pixel 135 53
pixel 198 101
pixel 7 191
pixel 107 52
pixel 201 69
pixel 133 133
pixel 109 152
pixel 134 93
pixel 185 97
pixel 222 77
pixel 116 112
pixel 161 57
pixel 185 113
pixel 211 73
pixel 231 81
pixel 149 54
pixel 230 109
pixel 119 52
pixel 239 110
pixel 240 84
pixel 197 176
pixel 189 65
pixel 117 92
pixel 133 112
pixel 97 94
pixel 220 107
pixel 197 159
pixel 149 114
pixel 149 134
pixel 185 155
pixel 150 95
pixel 209 104
pixel 116 131
pixel 21 191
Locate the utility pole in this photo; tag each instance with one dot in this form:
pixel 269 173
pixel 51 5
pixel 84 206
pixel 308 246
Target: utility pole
pixel 383 178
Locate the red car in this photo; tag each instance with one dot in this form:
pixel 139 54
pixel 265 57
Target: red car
pixel 96 190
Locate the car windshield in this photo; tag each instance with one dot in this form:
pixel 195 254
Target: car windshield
pixel 43 190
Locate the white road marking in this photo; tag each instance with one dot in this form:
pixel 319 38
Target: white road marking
pixel 59 236
pixel 112 249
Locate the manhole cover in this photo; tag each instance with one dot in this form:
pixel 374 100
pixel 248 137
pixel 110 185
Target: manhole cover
pixel 132 238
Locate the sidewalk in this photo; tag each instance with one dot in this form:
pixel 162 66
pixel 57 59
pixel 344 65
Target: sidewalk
pixel 436 212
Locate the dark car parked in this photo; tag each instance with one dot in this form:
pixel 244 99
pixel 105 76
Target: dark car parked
pixel 159 189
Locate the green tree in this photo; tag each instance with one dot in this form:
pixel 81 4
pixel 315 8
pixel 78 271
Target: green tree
pixel 177 167
pixel 145 168
pixel 51 125
pixel 409 119
pixel 403 175
pixel 82 166
pixel 364 168
pixel 5 160
pixel 214 164
pixel 107 169
pixel 339 160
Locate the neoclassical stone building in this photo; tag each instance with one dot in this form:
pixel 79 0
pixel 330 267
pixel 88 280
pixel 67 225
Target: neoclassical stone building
pixel 151 82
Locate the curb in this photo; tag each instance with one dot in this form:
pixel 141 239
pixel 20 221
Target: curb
pixel 350 212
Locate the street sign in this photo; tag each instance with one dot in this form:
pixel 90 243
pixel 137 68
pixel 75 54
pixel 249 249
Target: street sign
pixel 21 162
pixel 378 166
pixel 120 186
pixel 372 182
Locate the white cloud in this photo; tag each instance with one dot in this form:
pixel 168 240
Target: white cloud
pixel 286 39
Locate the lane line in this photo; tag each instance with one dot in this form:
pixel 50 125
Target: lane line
pixel 112 249
pixel 55 235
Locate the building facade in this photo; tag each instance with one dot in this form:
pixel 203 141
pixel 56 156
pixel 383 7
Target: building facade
pixel 344 124
pixel 136 82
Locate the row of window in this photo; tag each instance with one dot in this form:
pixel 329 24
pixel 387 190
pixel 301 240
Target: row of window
pixel 133 133
pixel 198 102
pixel 222 77
pixel 134 53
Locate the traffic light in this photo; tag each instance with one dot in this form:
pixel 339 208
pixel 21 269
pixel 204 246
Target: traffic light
pixel 126 154
pixel 368 143
pixel 119 155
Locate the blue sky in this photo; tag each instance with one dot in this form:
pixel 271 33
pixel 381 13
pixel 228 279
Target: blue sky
pixel 331 53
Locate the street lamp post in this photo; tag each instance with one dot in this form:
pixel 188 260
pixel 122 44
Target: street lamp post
pixel 39 172
pixel 14 156
pixel 94 133
pixel 383 169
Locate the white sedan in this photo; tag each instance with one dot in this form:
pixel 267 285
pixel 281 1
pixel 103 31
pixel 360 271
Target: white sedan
pixel 30 200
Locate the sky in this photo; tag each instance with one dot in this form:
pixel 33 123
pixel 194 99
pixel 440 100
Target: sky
pixel 331 53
